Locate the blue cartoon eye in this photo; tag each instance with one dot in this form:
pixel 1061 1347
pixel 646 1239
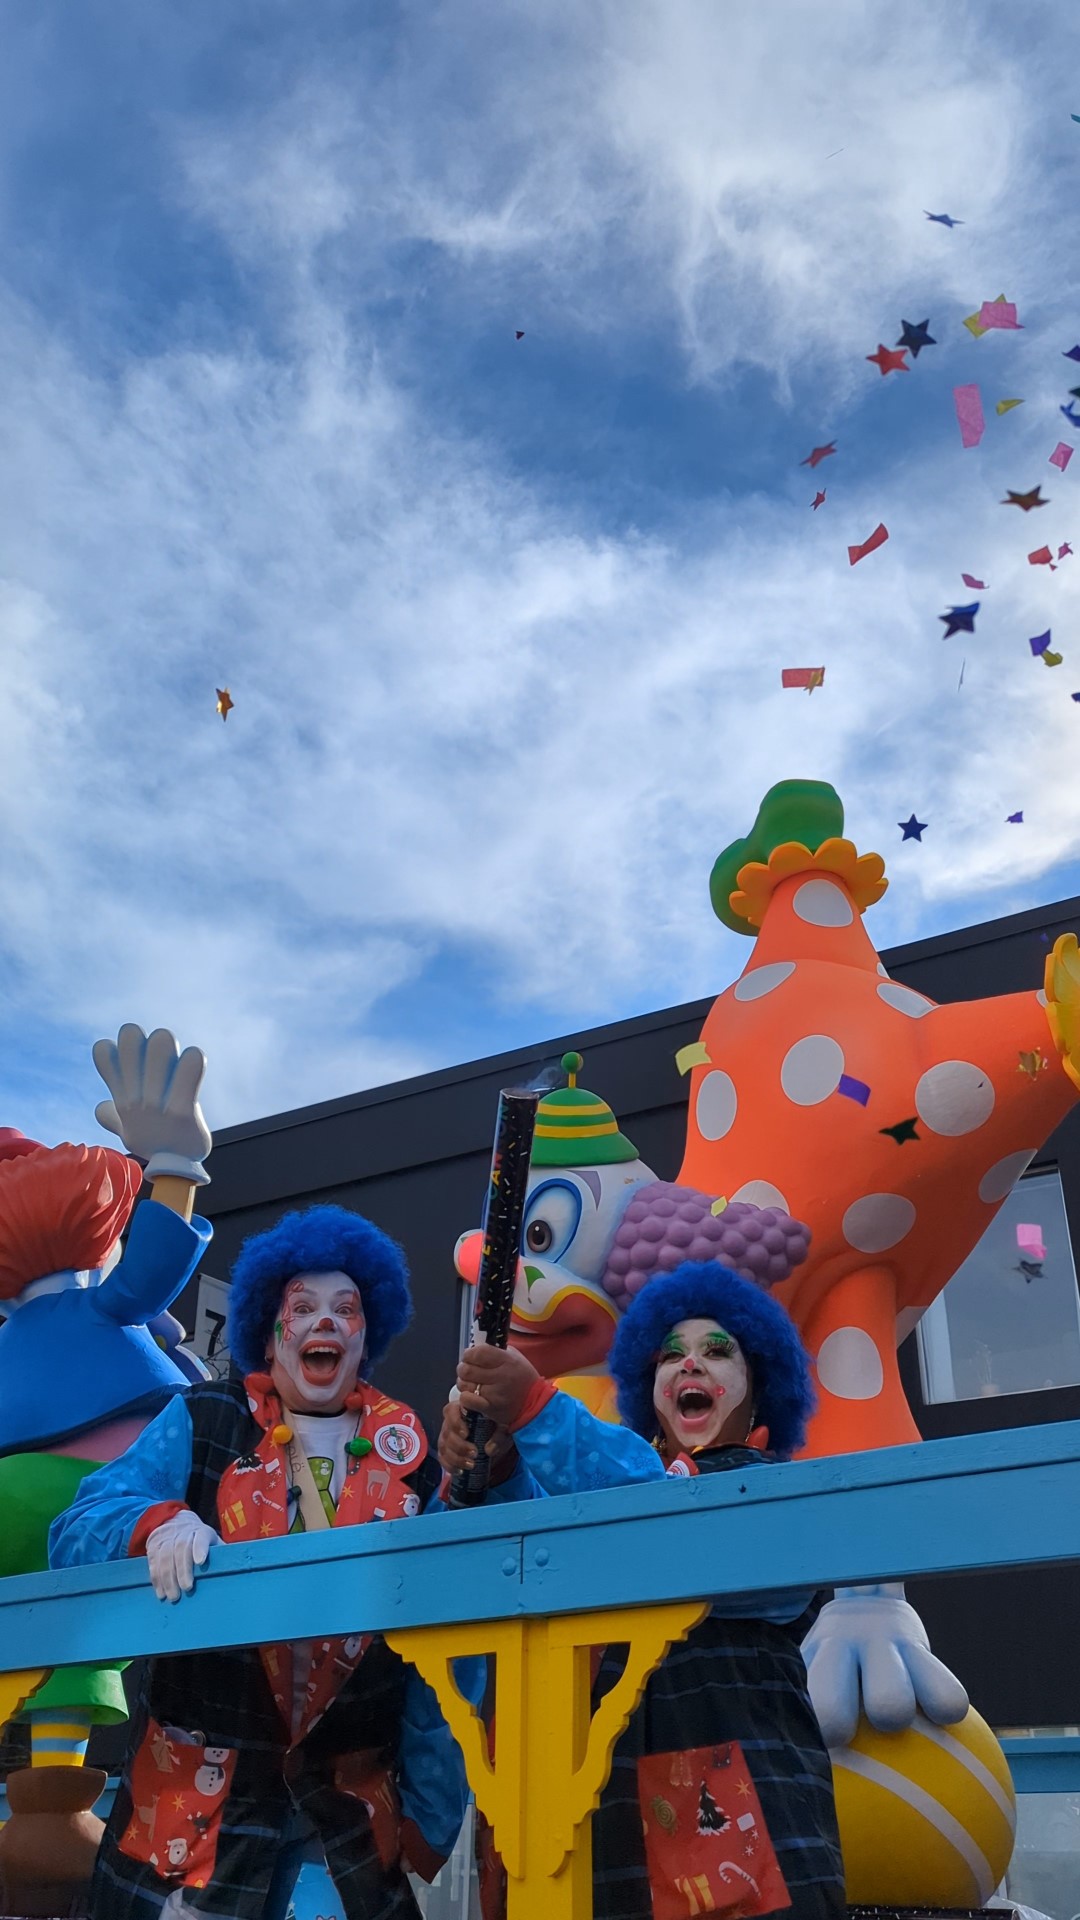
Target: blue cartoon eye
pixel 551 1219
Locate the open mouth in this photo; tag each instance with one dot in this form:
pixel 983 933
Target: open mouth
pixel 320 1361
pixel 694 1403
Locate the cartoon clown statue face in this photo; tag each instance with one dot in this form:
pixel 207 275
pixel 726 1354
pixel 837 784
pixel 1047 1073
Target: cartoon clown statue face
pixel 584 1175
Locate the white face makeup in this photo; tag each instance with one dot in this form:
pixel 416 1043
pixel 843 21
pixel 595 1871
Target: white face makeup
pixel 318 1342
pixel 702 1391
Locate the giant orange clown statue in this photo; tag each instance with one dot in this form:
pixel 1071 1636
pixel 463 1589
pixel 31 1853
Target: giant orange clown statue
pixel 895 1128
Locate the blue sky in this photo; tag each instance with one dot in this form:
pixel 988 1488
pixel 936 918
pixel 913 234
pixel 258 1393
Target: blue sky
pixel 504 621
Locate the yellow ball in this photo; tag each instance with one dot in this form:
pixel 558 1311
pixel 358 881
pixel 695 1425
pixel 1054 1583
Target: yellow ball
pixel 927 1816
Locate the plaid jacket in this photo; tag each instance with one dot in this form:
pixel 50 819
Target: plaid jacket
pixel 224 1698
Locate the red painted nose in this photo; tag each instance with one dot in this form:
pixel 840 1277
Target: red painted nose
pixel 467 1255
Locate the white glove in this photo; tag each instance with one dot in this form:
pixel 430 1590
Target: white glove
pixel 175 1549
pixel 155 1106
pixel 869 1642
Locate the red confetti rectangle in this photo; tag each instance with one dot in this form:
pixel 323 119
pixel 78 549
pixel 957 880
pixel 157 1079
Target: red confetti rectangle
pixel 808 677
pixel 1041 557
pixel 877 539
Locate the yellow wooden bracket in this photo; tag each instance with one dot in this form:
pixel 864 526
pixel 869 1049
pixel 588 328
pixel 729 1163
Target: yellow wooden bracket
pixel 16 1689
pixel 552 1760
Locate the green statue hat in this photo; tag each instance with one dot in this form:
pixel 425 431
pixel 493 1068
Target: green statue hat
pixel 575 1128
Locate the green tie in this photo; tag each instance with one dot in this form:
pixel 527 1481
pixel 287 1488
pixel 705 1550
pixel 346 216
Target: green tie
pixel 322 1472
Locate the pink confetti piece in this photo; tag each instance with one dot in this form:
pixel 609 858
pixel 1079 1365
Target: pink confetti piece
pixel 969 414
pixel 969 580
pixel 1042 557
pixel 1000 314
pixel 1030 1240
pixel 877 539
pixel 1061 456
pixel 807 677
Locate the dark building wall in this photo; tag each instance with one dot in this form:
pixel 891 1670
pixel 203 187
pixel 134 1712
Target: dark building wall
pixel 415 1158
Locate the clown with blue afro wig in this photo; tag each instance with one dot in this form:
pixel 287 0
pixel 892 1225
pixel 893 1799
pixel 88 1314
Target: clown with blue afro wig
pixel 318 1240
pixel 781 1397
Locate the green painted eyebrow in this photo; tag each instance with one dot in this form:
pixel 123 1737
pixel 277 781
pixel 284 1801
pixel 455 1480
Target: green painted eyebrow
pixel 672 1345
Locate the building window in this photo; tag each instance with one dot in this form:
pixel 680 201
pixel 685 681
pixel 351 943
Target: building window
pixel 1009 1319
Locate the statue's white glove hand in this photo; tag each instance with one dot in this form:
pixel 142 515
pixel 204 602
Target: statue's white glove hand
pixel 175 1549
pixel 155 1101
pixel 869 1645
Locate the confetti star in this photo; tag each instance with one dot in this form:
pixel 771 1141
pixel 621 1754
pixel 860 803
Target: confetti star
pixel 944 219
pixel 903 1130
pixel 518 334
pixel 819 454
pixel 1064 549
pixel 1071 353
pixel 1025 501
pixel 1040 641
pixel 915 336
pixel 225 701
pixel 819 499
pixel 913 829
pixel 1031 1063
pixel 888 360
pixel 1014 819
pixel 960 619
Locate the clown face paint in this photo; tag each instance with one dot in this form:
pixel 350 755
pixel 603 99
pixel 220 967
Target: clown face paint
pixel 702 1391
pixel 318 1342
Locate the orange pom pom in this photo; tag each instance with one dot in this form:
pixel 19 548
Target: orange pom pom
pixel 281 1434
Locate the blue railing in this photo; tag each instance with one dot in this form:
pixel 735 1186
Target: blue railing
pixel 1006 1499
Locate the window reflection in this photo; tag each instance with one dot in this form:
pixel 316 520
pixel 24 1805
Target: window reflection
pixel 1009 1319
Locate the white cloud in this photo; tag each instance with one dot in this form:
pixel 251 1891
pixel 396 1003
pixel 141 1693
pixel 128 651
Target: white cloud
pixel 465 717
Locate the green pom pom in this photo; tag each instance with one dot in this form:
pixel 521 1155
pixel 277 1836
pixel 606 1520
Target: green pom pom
pixel 807 811
pixel 358 1448
pixel 572 1063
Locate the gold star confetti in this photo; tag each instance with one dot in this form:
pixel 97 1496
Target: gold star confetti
pixel 225 701
pixel 1032 1063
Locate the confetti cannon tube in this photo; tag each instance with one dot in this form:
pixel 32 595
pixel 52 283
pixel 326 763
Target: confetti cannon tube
pixel 503 1216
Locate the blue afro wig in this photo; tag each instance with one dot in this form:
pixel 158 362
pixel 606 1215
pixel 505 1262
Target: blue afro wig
pixel 318 1240
pixel 704 1290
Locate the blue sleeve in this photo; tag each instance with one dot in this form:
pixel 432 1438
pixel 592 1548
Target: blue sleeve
pixel 110 1502
pixel 431 1772
pixel 568 1450
pixel 519 1485
pixel 161 1255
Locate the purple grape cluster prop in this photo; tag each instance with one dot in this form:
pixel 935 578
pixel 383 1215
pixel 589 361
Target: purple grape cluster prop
pixel 666 1224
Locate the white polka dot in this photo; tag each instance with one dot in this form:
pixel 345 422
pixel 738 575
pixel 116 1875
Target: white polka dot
pixel 878 1221
pixel 849 1365
pixel 954 1098
pixel 883 969
pixel 761 1193
pixel 716 1104
pixel 904 999
pixel 761 980
pixel 906 1322
pixel 1002 1177
pixel 811 1069
pixel 822 904
pixel 1041 996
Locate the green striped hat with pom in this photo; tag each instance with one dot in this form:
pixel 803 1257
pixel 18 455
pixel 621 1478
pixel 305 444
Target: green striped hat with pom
pixel 575 1128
